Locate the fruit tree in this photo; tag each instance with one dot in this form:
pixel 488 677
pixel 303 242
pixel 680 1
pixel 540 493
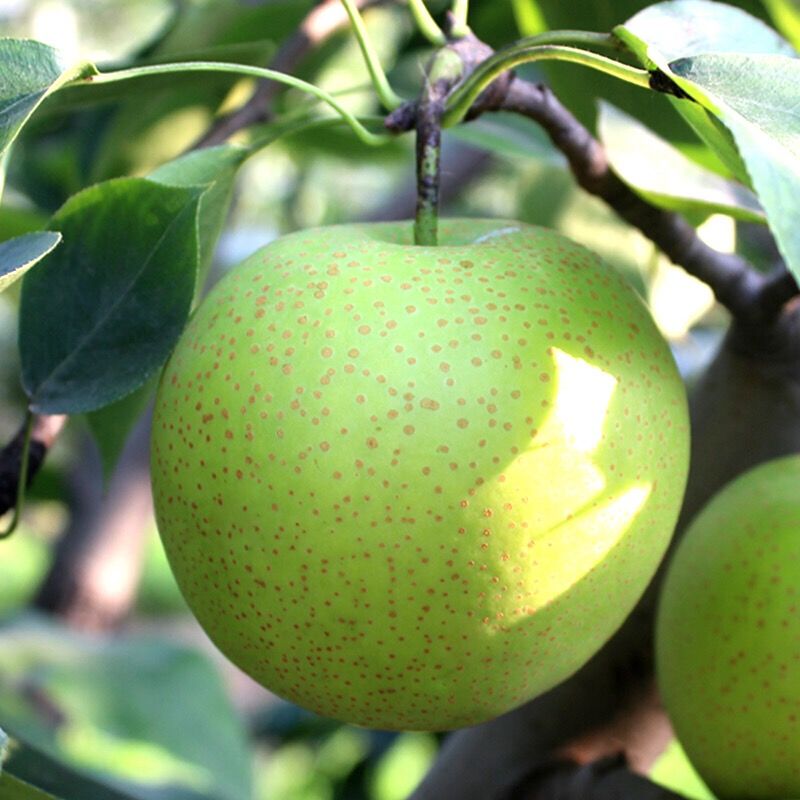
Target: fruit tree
pixel 424 333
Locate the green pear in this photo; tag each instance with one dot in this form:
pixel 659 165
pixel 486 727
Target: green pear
pixel 728 636
pixel 412 487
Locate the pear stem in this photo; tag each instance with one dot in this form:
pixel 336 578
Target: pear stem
pixel 444 71
pixel 429 149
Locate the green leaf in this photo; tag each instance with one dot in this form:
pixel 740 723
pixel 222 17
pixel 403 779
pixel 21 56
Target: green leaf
pixel 18 255
pixel 102 314
pixel 215 168
pixel 14 789
pixel 29 71
pixel 786 16
pixel 112 424
pixel 741 75
pixel 682 28
pixel 508 135
pixel 145 716
pixel 755 96
pixel 659 172
pixel 33 775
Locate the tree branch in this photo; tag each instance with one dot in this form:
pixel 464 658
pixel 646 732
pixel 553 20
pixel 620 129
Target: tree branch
pixel 749 296
pixel 46 429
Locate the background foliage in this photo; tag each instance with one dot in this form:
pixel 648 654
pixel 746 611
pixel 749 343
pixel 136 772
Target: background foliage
pixel 152 712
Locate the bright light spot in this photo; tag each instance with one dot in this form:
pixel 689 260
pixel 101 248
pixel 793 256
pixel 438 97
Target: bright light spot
pixel 574 506
pixel 56 24
pixel 496 234
pixel 580 422
pixel 677 300
pixel 719 232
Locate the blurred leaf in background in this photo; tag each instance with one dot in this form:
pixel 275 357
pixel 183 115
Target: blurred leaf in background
pixel 142 712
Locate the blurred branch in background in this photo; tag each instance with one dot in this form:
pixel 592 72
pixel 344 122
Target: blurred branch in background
pixel 324 20
pixel 94 577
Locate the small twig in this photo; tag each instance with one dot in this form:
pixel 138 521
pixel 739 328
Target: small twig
pixel 46 429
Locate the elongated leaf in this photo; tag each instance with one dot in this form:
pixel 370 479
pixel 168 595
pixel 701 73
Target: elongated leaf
pixel 741 75
pixel 14 789
pixel 215 168
pixel 18 255
pixel 508 135
pixel 29 71
pixel 677 29
pixel 659 172
pixel 682 28
pixel 756 96
pixel 102 314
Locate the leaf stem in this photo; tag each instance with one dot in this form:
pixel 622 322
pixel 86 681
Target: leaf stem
pixel 460 12
pixel 386 94
pixel 22 484
pixel 525 52
pixel 361 132
pixel 426 23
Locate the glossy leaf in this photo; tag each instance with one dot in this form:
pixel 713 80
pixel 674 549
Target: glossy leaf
pixel 659 172
pixel 102 314
pixel 683 28
pixel 756 98
pixel 143 716
pixel 215 169
pixel 18 255
pixel 742 79
pixel 29 71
